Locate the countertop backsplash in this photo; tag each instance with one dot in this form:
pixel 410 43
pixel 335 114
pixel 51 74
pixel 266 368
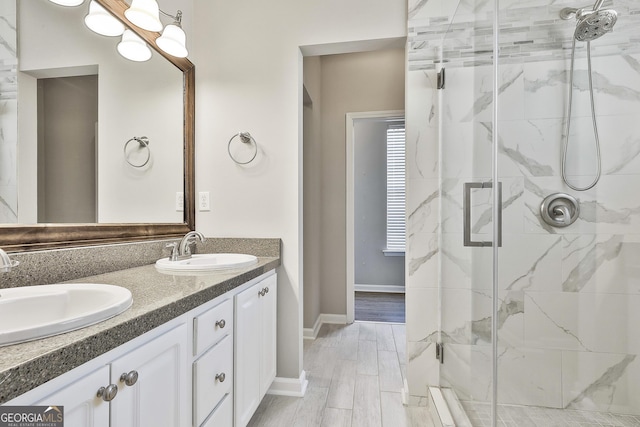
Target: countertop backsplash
pixel 59 265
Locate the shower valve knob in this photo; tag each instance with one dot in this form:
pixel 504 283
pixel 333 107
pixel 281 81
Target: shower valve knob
pixel 559 210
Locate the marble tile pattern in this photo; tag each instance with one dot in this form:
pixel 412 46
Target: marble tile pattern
pixel 569 298
pixel 521 416
pixel 8 113
pixel 157 298
pixel 460 32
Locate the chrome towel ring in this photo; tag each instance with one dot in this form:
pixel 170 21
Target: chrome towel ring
pixel 144 143
pixel 245 150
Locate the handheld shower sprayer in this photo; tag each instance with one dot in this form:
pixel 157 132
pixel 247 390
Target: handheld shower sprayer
pixel 592 24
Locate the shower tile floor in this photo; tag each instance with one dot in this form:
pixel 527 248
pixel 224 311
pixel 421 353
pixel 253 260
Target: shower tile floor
pixel 530 416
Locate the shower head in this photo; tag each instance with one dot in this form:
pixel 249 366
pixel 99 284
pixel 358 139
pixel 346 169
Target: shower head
pixel 595 24
pixel 592 23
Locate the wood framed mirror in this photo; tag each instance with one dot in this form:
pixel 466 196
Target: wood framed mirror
pixel 19 237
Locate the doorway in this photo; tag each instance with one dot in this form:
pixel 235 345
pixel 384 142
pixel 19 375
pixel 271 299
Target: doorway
pixel 335 85
pixel 375 216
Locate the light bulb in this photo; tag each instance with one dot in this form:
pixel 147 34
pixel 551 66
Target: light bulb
pixel 133 47
pixel 145 14
pixel 102 22
pixel 173 41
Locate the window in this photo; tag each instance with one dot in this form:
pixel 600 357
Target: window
pixel 396 229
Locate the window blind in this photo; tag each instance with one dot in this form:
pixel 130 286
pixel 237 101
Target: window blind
pixel 396 188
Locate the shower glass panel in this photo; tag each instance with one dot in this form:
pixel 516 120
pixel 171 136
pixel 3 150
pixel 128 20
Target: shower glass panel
pixel 569 300
pixel 566 298
pixel 467 191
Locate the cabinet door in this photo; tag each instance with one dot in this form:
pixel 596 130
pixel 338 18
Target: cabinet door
pixel 247 345
pixel 160 395
pixel 82 406
pixel 268 335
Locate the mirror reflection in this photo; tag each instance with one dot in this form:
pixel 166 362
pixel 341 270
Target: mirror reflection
pixel 79 106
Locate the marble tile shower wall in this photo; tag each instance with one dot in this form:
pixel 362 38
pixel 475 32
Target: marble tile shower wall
pixel 460 32
pixel 569 298
pixel 8 113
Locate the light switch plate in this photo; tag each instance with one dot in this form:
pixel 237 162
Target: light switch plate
pixel 179 201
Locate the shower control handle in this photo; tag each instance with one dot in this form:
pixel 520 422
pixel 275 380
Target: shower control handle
pixel 559 210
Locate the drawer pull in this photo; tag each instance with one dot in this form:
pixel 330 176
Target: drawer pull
pixel 221 377
pixel 266 290
pixel 261 292
pixel 221 324
pixel 129 378
pixel 108 393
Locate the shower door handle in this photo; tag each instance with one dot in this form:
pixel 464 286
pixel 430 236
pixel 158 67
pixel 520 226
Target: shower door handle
pixel 467 212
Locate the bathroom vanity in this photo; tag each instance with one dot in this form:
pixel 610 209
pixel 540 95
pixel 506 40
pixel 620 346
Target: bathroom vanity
pixel 193 350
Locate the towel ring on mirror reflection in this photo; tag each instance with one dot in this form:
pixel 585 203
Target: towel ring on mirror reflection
pixel 246 151
pixel 144 143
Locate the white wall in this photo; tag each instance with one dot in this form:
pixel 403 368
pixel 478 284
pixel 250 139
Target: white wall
pixel 135 99
pixel 249 78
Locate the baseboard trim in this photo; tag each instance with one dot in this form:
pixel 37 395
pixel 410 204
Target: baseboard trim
pixel 389 289
pixel 293 387
pixel 312 333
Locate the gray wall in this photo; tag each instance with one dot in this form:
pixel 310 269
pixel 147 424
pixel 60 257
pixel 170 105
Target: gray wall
pixel 311 196
pixel 355 82
pixel 372 267
pixel 67 120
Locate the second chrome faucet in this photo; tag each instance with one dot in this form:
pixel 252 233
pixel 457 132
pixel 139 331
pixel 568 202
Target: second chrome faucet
pixel 182 250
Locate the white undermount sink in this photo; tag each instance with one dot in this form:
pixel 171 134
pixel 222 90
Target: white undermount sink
pixel 32 312
pixel 202 263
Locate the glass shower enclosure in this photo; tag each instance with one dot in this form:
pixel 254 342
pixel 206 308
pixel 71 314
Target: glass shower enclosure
pixel 523 290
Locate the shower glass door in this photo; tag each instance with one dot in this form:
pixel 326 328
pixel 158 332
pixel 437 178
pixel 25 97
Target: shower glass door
pixel 566 295
pixel 568 299
pixel 467 190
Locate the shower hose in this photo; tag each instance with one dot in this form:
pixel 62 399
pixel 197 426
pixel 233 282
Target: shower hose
pixel 568 122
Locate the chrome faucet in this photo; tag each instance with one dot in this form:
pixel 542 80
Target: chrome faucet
pixel 182 250
pixel 6 263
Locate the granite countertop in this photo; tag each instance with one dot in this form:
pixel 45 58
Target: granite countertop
pixel 157 298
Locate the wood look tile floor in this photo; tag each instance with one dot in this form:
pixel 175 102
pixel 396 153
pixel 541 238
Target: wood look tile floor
pixel 355 375
pixel 379 307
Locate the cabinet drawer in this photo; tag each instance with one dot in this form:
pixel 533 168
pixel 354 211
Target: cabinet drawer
pixel 223 415
pixel 207 390
pixel 212 325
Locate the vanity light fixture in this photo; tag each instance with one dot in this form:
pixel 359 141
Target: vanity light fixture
pixel 173 39
pixel 145 14
pixel 102 22
pixel 67 2
pixel 133 47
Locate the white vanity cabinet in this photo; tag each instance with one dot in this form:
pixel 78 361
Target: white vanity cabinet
pixel 255 333
pixel 157 394
pixel 82 406
pixel 209 367
pixel 152 383
pixel 213 368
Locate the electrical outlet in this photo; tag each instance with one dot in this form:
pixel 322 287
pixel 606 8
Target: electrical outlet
pixel 179 201
pixel 203 201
